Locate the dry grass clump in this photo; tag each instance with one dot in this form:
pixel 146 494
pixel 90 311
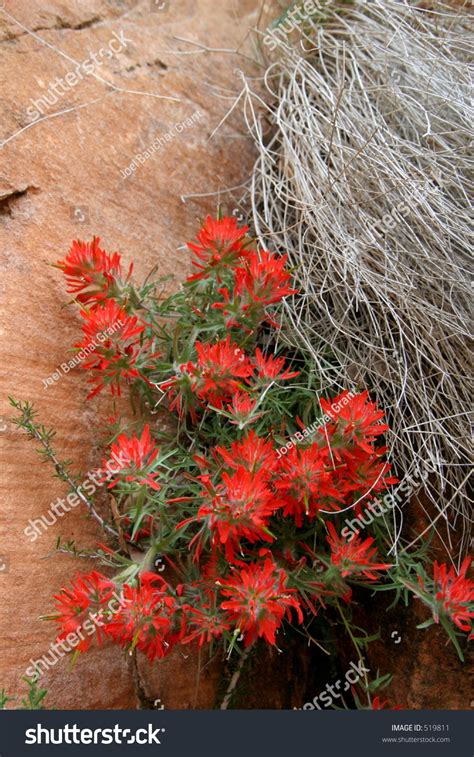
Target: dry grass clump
pixel 364 178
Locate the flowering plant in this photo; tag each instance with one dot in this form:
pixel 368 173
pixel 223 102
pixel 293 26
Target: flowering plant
pixel 247 525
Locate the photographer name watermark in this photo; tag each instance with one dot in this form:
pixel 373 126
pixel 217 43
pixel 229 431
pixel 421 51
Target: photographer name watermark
pixel 309 431
pixel 164 139
pixel 65 367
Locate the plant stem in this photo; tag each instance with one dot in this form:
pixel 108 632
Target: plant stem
pixel 354 641
pixel 30 427
pixel 235 679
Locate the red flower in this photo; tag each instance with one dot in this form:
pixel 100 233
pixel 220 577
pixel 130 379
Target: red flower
pixel 83 603
pixel 259 600
pixel 220 245
pixel 112 346
pixel 262 278
pixel 205 624
pixel 305 482
pixel 135 459
pixel 242 409
pixel 354 557
pixel 377 704
pixel 271 368
pixel 453 594
pixel 91 273
pixel 205 619
pixel 364 477
pixel 251 453
pixel 147 618
pixel 354 419
pixel 217 373
pixel 260 281
pixel 238 508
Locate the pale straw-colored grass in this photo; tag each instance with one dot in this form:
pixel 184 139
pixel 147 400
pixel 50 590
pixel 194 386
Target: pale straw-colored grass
pixel 374 117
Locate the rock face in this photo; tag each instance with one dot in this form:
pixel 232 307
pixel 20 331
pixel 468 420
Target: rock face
pixel 107 124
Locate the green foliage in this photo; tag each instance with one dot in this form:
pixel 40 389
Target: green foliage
pixel 33 700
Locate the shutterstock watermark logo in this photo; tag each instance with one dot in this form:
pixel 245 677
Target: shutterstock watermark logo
pixel 62 85
pixel 73 734
pixel 383 505
pixel 79 214
pixel 64 646
pixel 159 6
pixel 4 424
pixel 94 480
pixel 292 20
pixel 335 690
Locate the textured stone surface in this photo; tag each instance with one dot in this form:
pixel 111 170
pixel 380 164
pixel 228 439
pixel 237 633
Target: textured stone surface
pixel 61 178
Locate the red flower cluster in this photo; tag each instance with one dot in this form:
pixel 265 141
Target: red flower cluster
pixel 263 278
pixel 254 515
pixel 135 458
pixel 271 368
pixel 147 618
pixel 350 436
pixel 91 273
pixel 246 484
pixel 206 621
pixel 258 600
pixel 82 609
pixel 453 595
pixel 356 421
pixel 221 375
pixel 252 279
pixel 252 454
pixel 112 341
pixel 153 617
pixel 238 508
pixel 305 482
pixel 260 281
pixel 221 244
pixel 218 371
pixel 355 557
pixel 241 410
